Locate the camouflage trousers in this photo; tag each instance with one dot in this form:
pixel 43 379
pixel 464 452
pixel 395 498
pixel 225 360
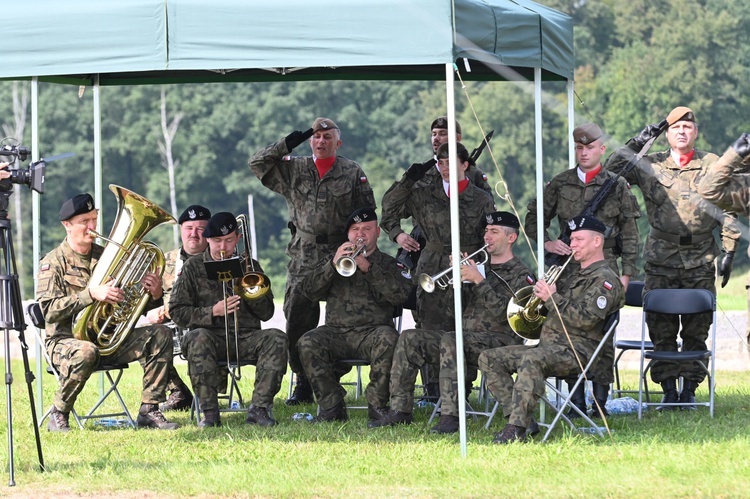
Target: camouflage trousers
pixel 534 364
pixel 415 348
pixel 301 315
pixel 266 348
pixel 320 348
pixel 663 329
pixel 475 342
pixel 76 360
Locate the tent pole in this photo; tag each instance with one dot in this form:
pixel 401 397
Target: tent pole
pixel 571 124
pixel 98 153
pixel 539 170
pixel 36 210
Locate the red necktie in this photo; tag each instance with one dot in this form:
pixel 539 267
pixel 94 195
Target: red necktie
pixel 686 158
pixel 324 165
pixel 593 173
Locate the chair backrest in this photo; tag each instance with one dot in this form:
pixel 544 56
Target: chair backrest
pixel 34 311
pixel 634 294
pixel 679 301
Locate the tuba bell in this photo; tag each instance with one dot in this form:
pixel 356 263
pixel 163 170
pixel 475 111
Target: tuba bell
pixel 124 262
pixel 524 310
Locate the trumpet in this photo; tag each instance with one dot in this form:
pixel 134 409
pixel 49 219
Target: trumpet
pixel 441 279
pixel 524 310
pixel 346 266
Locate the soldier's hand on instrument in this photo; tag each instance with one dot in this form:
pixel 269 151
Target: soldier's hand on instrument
pixel 741 145
pixel 232 305
pixel 407 242
pixel 557 247
pixel 470 272
pixel 543 291
pixel 107 294
pixel 152 283
pixel 345 249
pixel 363 263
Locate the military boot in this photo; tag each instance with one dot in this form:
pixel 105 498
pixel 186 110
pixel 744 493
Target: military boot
pixel 392 419
pixel 447 424
pixel 259 416
pixel 335 413
pixel 511 433
pixel 601 394
pixel 688 395
pixel 670 394
pixel 179 400
pixel 302 393
pixel 211 419
pixel 149 416
pixel 58 421
pixel 375 413
pixel 578 399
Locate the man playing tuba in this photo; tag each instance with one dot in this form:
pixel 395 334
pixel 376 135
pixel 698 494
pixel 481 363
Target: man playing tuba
pixel 62 292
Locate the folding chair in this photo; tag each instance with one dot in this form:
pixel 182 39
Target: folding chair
pixel 233 397
pixel 37 318
pixel 609 326
pixel 633 298
pixel 678 302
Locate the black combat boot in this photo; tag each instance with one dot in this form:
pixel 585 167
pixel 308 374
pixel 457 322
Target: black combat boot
pixel 578 399
pixel 335 413
pixel 447 424
pixel 511 433
pixel 601 393
pixel 211 419
pixel 259 416
pixel 375 413
pixel 179 400
pixel 149 416
pixel 302 393
pixel 392 419
pixel 670 394
pixel 688 395
pixel 58 421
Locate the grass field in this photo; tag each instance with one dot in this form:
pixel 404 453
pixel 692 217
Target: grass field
pixel 675 454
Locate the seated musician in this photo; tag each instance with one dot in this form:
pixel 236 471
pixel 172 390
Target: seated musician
pixel 63 291
pixel 198 303
pixel 359 318
pixel 570 334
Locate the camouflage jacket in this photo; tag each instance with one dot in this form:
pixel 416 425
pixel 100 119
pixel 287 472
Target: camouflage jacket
pixel 592 294
pixel 675 208
pixel 566 196
pixel 194 296
pixel 318 208
pixel 62 289
pixel 475 174
pixel 727 183
pixel 369 299
pixel 430 208
pixel 486 303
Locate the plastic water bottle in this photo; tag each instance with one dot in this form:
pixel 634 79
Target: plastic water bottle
pixel 302 416
pixel 622 405
pixel 235 404
pixel 592 430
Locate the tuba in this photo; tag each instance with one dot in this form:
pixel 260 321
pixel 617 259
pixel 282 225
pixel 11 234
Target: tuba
pixel 124 262
pixel 253 284
pixel 524 310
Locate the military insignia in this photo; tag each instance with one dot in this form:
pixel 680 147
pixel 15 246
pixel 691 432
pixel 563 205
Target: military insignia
pixel 484 177
pixel 572 224
pixel 191 214
pixel 224 230
pixel 584 139
pixel 489 219
pixel 601 302
pixel 324 124
pixel 529 279
pixel 44 267
pixel 89 205
pixel 607 285
pixel 357 219
pixel 286 158
pixel 363 180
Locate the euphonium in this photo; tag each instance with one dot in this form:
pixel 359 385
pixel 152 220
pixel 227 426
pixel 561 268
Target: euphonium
pixel 124 262
pixel 441 279
pixel 524 310
pixel 253 284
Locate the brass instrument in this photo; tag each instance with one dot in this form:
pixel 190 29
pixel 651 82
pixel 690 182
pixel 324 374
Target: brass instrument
pixel 441 279
pixel 346 266
pixel 524 310
pixel 253 284
pixel 227 289
pixel 124 262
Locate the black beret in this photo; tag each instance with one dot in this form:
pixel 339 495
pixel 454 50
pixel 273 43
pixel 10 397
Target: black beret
pixel 586 223
pixel 502 218
pixel 587 133
pixel 194 212
pixel 442 123
pixel 442 152
pixel 221 224
pixel 361 215
pixel 80 203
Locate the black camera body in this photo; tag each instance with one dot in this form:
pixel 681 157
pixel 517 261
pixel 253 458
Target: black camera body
pixel 32 177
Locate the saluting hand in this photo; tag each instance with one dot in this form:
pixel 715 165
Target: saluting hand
pixel 557 247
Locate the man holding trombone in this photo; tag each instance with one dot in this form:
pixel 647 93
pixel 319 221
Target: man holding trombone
pixel 206 308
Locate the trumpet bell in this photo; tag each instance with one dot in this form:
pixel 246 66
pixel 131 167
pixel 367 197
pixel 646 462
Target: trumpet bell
pixel 525 323
pixel 254 285
pixel 346 266
pixel 427 282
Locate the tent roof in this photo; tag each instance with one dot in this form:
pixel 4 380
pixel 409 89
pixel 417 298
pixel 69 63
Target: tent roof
pixel 150 41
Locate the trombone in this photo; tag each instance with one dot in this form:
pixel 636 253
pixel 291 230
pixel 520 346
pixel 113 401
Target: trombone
pixel 227 289
pixel 346 266
pixel 253 284
pixel 441 279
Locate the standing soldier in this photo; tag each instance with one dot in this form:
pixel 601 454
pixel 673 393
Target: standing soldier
pixel 359 317
pixel 680 248
pixel 565 197
pixel 198 303
pixel 321 191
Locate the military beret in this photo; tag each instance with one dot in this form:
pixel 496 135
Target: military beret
pixel 80 203
pixel 503 219
pixel 442 123
pixel 587 133
pixel 361 215
pixel 323 124
pixel 194 212
pixel 586 223
pixel 221 224
pixel 442 152
pixel 680 113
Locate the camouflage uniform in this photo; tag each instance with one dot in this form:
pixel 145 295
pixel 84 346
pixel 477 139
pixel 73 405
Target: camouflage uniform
pixel 191 303
pixel 174 260
pixel 62 293
pixel 358 324
pixel 565 197
pixel 318 209
pixel 485 324
pixel 593 293
pixel 680 248
pixel 430 208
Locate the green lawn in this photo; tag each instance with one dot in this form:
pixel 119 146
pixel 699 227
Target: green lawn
pixel 674 454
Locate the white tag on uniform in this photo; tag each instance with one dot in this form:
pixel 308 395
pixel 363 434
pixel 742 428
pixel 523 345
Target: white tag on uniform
pixel 480 268
pixel 178 267
pixel 601 302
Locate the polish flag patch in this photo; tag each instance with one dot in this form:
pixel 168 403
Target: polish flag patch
pixel 607 285
pixel 44 267
pixel 363 180
pixel 529 279
pixel 484 177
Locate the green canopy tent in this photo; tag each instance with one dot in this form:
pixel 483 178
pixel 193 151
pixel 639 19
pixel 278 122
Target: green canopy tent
pixel 94 43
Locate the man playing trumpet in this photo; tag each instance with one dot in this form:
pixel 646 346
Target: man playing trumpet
pixel 198 303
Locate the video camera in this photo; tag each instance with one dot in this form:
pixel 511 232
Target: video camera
pixel 32 177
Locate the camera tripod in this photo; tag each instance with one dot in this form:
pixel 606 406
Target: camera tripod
pixel 11 317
